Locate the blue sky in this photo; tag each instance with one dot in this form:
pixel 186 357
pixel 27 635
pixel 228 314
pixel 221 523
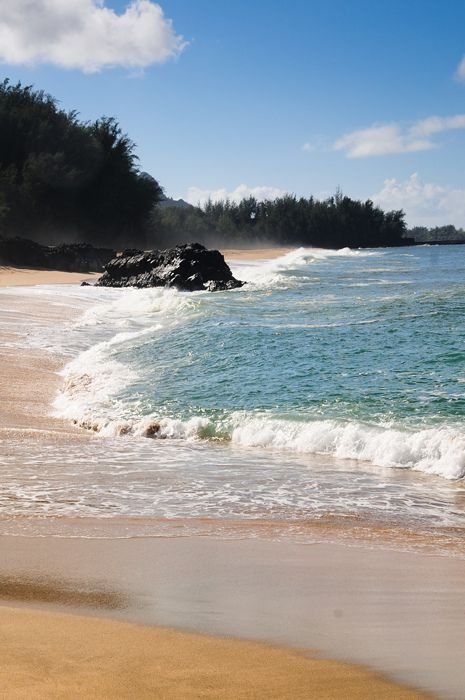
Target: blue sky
pixel 263 97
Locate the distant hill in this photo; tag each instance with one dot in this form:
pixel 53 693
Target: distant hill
pixel 168 203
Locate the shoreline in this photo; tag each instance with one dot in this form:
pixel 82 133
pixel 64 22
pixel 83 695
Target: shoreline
pixel 350 532
pixel 133 661
pixel 30 377
pixel 19 276
pixel 25 276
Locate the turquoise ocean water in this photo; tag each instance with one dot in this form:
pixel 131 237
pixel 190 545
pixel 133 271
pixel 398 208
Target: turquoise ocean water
pixel 331 385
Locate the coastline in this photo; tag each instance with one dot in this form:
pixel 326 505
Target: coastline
pixel 19 276
pixel 27 416
pixel 102 659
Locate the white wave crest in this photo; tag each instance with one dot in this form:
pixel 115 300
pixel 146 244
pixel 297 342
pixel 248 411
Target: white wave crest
pixel 128 306
pixel 93 379
pixel 124 317
pixel 278 271
pixel 270 273
pixel 438 450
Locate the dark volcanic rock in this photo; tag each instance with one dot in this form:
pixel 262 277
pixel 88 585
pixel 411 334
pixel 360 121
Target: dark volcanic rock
pixel 187 267
pixel 72 257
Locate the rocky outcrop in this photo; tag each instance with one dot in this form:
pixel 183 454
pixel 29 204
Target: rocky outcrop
pixel 187 267
pixel 72 257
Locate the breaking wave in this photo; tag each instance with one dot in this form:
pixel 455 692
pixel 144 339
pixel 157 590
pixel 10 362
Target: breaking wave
pixel 292 268
pixel 439 450
pixel 99 383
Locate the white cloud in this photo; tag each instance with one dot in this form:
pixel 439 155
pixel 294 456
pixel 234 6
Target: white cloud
pixel 379 141
pixel 195 195
pixel 386 139
pixel 86 35
pixel 435 125
pixel 425 204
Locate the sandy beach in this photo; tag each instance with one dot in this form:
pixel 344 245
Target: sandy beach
pixel 400 614
pixel 254 253
pixel 57 656
pixel 15 276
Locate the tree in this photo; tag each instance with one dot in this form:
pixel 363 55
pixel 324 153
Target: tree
pixel 61 178
pixel 336 222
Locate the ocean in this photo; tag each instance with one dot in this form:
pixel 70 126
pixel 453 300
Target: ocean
pixel 327 393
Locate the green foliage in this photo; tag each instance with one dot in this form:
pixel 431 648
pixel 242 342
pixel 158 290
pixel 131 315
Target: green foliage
pixel 333 223
pixel 64 179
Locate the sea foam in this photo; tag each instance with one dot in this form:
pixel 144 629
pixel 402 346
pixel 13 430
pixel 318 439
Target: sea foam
pixel 93 380
pixel 288 270
pixel 435 450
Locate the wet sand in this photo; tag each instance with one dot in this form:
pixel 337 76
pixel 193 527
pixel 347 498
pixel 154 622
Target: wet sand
pixel 29 379
pixel 28 383
pixel 320 597
pixel 400 614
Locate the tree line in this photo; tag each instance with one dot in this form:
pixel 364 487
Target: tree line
pixel 62 179
pixel 335 222
pixel 437 234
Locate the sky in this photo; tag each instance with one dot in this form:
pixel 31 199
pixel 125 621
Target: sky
pixel 262 97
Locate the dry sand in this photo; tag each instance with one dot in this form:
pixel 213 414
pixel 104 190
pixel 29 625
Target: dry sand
pixel 16 276
pixel 60 656
pixel 237 254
